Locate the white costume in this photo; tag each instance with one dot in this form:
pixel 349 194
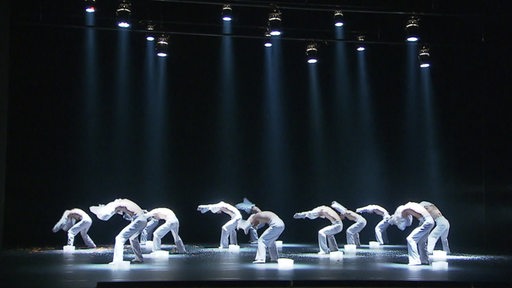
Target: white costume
pixel 417 240
pixel 171 224
pixel 68 222
pixel 268 238
pixel 441 229
pixel 382 226
pixel 253 234
pixel 131 212
pixel 228 232
pixel 326 240
pixel 250 208
pixel 354 229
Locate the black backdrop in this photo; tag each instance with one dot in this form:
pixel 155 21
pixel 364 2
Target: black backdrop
pixel 55 160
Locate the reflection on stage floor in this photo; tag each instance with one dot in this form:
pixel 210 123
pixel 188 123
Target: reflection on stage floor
pixel 208 266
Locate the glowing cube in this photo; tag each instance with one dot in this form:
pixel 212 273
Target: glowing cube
pixel 350 248
pixel 161 254
pixel 439 255
pixel 336 255
pixel 440 265
pixel 234 248
pixel 285 263
pixel 119 265
pixel 374 244
pixel 68 249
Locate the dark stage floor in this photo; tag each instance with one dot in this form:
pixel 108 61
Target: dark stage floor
pixel 208 266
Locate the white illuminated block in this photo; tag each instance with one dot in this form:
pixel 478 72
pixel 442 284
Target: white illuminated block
pixel 439 255
pixel 161 254
pixel 285 263
pixel 119 265
pixel 68 249
pixel 279 244
pixel 374 244
pixel 440 265
pixel 336 255
pixel 350 248
pixel 234 248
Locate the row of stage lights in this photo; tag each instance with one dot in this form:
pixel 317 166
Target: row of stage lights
pixel 123 15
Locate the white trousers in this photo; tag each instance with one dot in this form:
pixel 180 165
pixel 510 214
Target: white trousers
pixel 131 231
pixel 81 227
pixel 353 232
pixel 440 231
pixel 147 233
pixel 228 233
pixel 380 232
pixel 326 241
pixel 417 242
pixel 267 240
pixel 160 232
pixel 253 235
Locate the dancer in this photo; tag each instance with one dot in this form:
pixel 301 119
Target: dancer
pixel 354 229
pixel 228 232
pixel 417 240
pixel 441 229
pixel 326 240
pixel 381 227
pixel 250 208
pixel 268 238
pixel 171 224
pixel 68 222
pixel 132 212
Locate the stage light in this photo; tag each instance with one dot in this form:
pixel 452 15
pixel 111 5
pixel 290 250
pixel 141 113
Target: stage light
pixel 161 46
pixel 274 22
pixel 338 18
pixel 123 14
pixel 150 29
pixel 312 53
pixel 424 57
pixel 412 29
pixel 268 39
pixel 360 44
pixel 227 13
pixel 90 6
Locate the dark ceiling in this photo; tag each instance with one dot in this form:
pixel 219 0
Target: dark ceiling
pixel 441 22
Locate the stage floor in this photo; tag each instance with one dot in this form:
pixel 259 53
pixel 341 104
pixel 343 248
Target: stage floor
pixel 208 266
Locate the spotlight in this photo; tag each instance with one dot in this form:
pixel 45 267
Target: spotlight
pixel 412 29
pixel 161 46
pixel 123 14
pixel 360 44
pixel 90 6
pixel 424 57
pixel 227 13
pixel 150 36
pixel 268 39
pixel 338 18
pixel 274 22
pixel 312 53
